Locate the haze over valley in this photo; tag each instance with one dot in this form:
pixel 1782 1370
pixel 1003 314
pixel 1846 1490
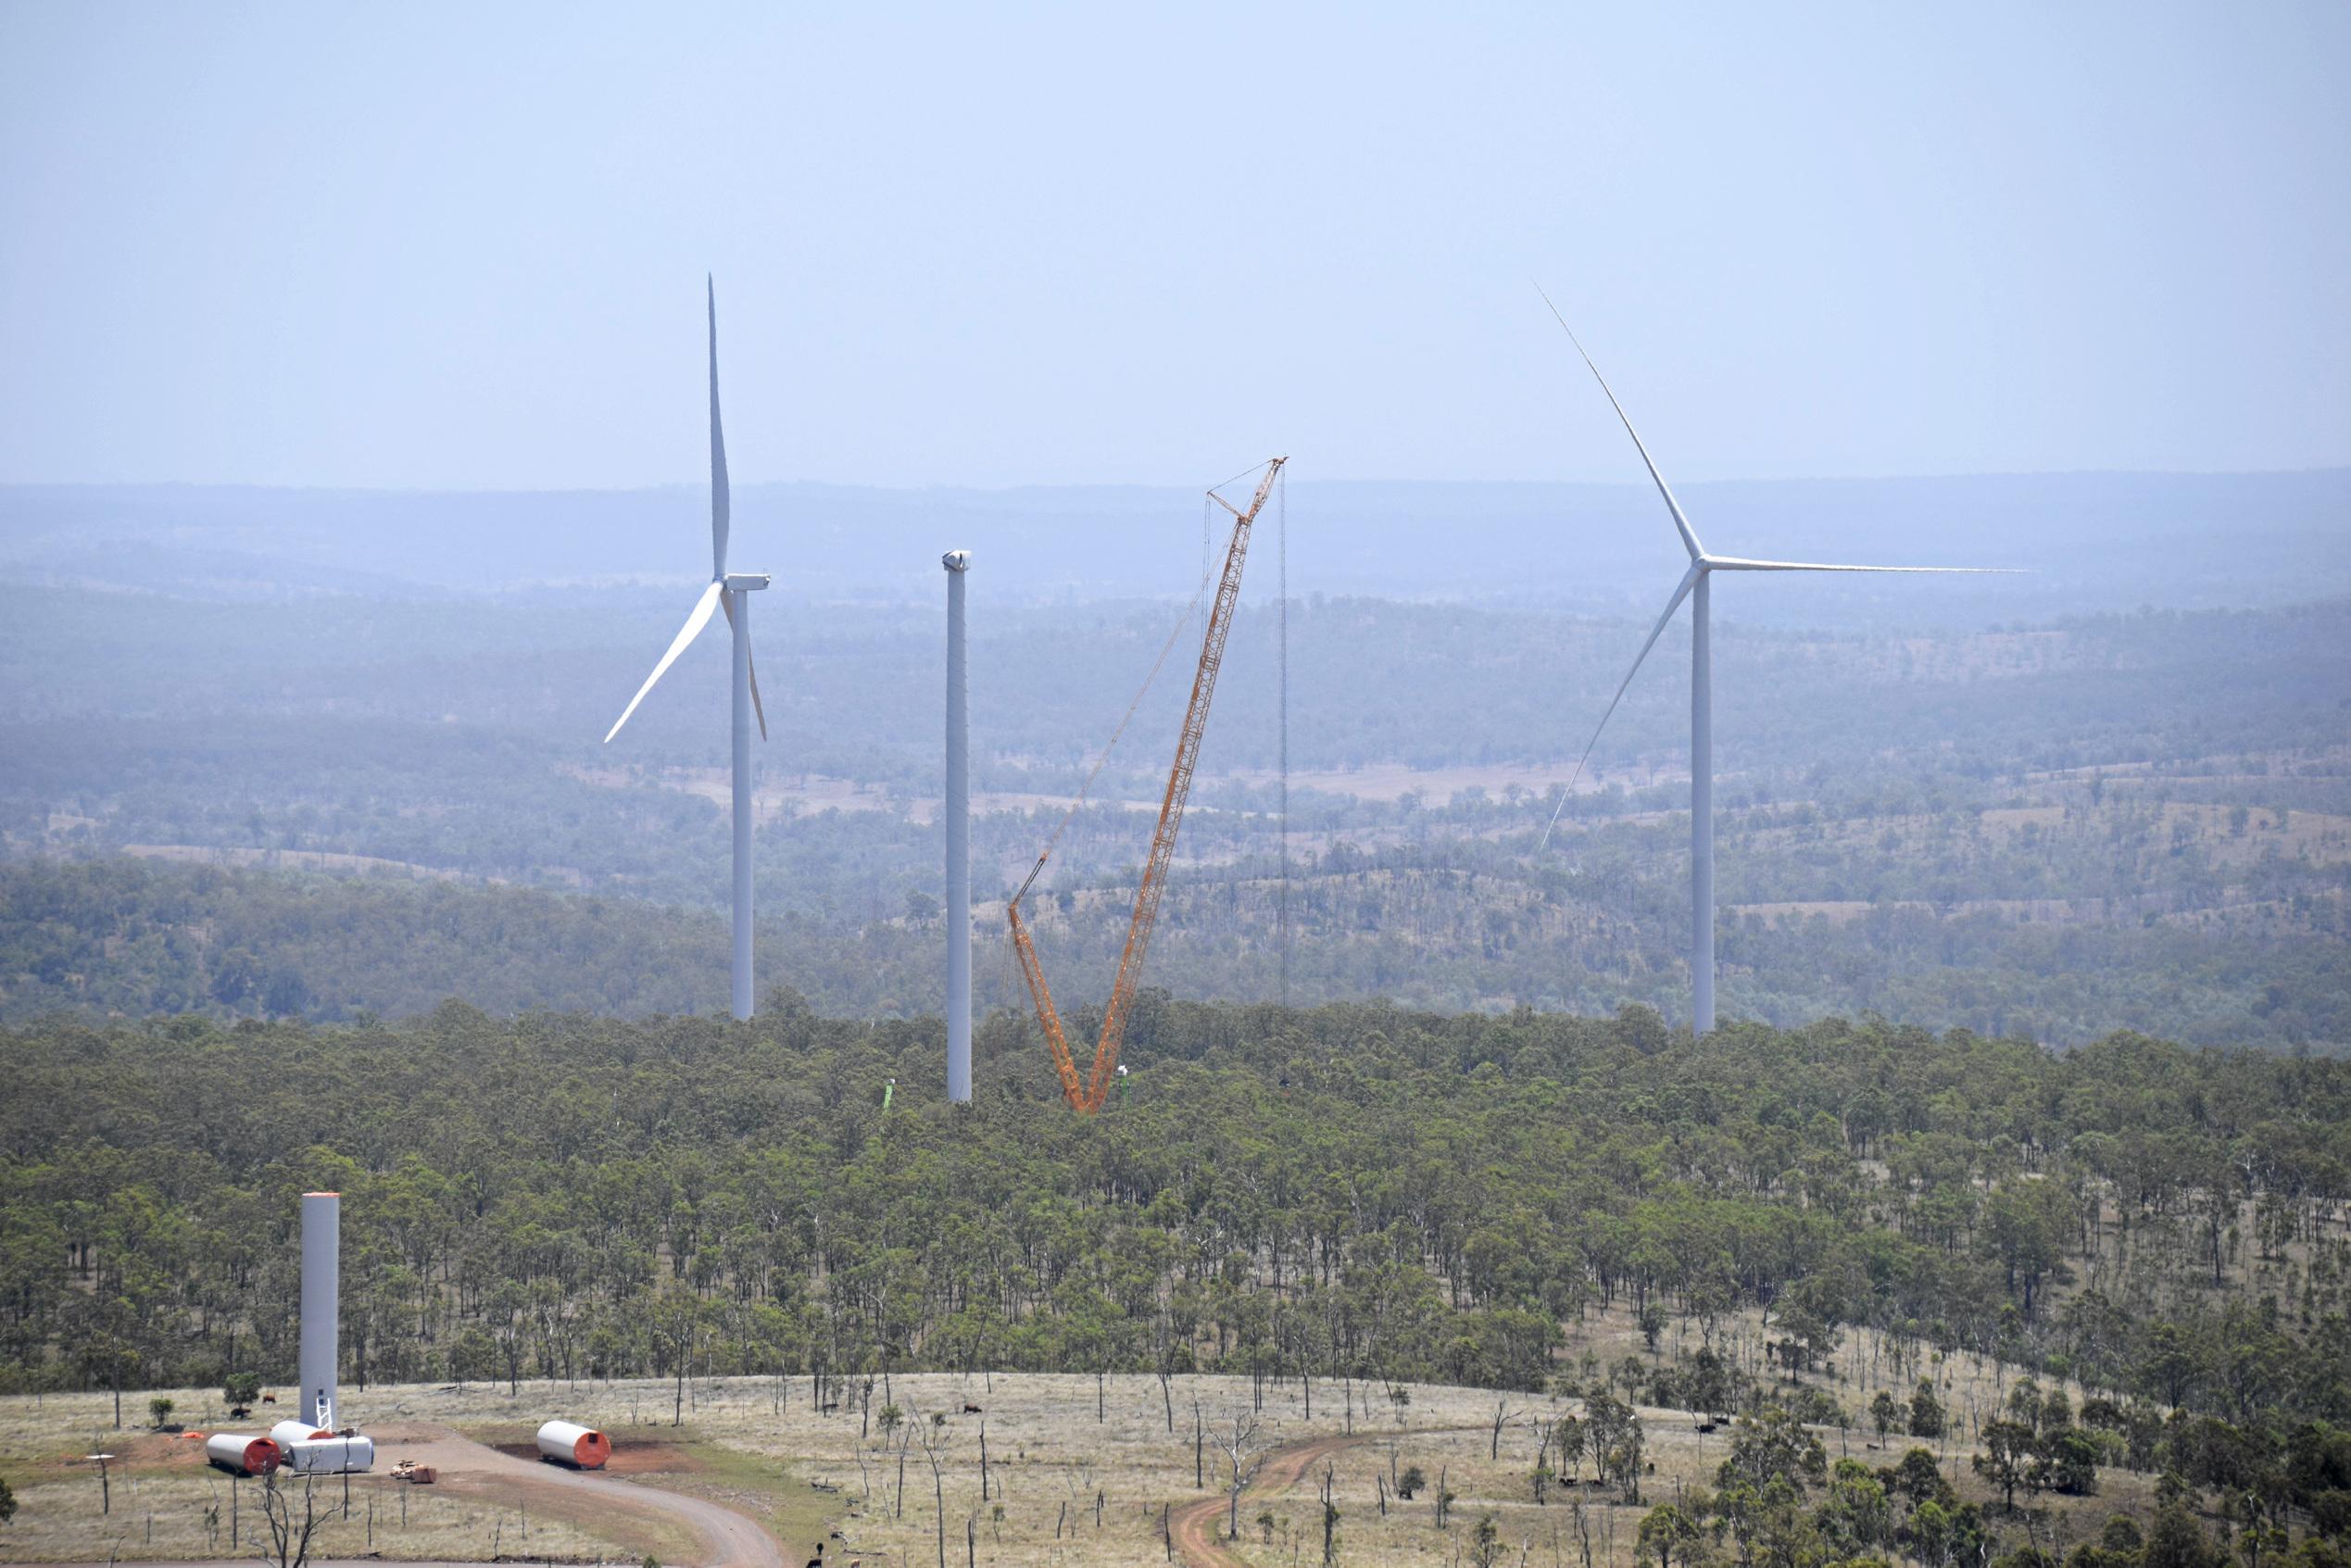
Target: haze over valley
pixel 1940 805
pixel 1250 785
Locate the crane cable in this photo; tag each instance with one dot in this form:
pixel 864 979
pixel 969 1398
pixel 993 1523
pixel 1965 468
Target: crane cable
pixel 1281 541
pixel 1167 647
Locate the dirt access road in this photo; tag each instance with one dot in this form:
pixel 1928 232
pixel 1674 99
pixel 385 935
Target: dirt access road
pixel 729 1540
pixel 1193 1526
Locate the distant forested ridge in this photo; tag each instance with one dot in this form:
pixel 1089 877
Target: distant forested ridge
pixel 1347 1190
pixel 141 937
pixel 1433 919
pixel 2126 821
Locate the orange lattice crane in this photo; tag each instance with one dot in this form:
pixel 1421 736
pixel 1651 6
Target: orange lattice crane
pixel 1088 1094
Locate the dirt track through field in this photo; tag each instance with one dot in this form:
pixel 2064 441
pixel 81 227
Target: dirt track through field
pixel 729 1540
pixel 1193 1526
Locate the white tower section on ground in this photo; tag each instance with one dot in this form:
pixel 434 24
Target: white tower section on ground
pixel 322 1301
pixel 959 840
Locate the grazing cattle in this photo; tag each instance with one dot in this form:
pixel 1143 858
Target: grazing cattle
pixel 971 1410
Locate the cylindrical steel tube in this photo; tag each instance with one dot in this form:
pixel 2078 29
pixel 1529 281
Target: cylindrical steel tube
pixel 322 1301
pixel 959 840
pixel 567 1442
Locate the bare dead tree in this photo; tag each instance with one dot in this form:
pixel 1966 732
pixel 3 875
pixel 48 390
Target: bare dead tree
pixel 905 1435
pixel 289 1538
pixel 865 1477
pixel 1502 1414
pixel 936 1438
pixel 1242 1441
pixel 1331 1516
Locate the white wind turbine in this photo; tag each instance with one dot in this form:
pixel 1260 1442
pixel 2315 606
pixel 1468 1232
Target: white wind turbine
pixel 1694 587
pixel 732 592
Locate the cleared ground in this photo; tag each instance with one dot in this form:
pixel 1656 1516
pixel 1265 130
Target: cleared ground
pixel 1076 1472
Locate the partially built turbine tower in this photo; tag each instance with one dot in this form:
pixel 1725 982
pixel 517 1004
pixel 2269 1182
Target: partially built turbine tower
pixel 322 1301
pixel 959 840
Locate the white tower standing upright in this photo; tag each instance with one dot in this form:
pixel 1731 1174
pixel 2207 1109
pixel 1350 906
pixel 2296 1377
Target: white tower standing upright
pixel 739 615
pixel 321 1293
pixel 1696 587
pixel 1701 808
pixel 732 590
pixel 959 839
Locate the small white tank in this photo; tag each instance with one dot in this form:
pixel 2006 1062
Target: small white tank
pixel 241 1453
pixel 582 1447
pixel 331 1456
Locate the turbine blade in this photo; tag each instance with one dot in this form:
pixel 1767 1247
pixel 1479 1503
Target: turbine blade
pixel 721 502
pixel 1688 535
pixel 756 707
pixel 1740 563
pixel 693 625
pixel 1688 581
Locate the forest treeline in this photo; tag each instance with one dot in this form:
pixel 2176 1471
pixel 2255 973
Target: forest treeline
pixel 1349 1190
pixel 1442 922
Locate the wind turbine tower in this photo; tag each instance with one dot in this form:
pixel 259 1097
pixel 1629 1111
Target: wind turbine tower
pixel 959 839
pixel 1696 587
pixel 732 592
pixel 317 1356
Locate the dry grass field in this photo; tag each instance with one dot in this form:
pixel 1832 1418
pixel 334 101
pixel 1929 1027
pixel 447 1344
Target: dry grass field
pixel 164 1503
pixel 1074 1474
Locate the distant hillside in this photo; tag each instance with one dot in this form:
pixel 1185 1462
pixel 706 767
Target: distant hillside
pixel 2091 541
pixel 2137 819
pixel 1423 926
pixel 140 938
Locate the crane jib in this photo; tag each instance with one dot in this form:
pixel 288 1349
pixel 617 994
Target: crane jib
pixel 1089 1094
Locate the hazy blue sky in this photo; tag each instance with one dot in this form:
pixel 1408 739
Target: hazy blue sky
pixel 417 245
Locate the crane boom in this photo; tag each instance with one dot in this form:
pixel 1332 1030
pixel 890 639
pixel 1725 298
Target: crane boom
pixel 1088 1094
